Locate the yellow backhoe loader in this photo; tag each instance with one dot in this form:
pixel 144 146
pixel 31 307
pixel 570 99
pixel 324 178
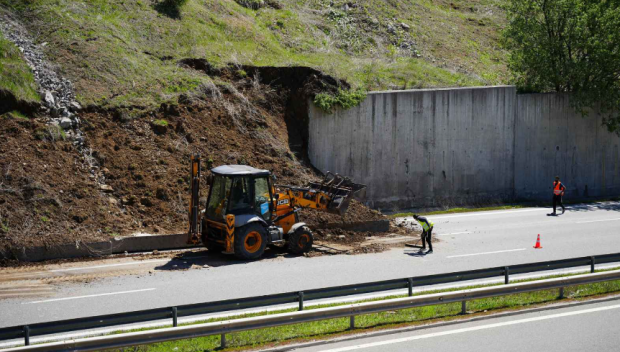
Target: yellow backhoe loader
pixel 245 211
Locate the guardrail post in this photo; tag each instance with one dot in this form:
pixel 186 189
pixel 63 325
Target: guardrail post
pixel 506 275
pixel 592 261
pixel 464 307
pixel 223 341
pixel 352 322
pixel 301 300
pixel 27 335
pixel 174 317
pixel 410 286
pixel 561 295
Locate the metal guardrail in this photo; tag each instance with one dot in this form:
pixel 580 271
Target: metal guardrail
pixel 351 310
pixel 27 331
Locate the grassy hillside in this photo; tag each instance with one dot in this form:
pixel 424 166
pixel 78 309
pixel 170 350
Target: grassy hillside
pixel 15 75
pixel 125 52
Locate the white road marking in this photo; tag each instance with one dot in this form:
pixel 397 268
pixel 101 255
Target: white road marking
pixel 481 213
pixel 90 296
pixel 471 255
pixel 112 265
pixel 454 233
pixel 470 329
pixel 586 222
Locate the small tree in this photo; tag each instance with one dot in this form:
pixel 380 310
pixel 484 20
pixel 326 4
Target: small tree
pixel 568 46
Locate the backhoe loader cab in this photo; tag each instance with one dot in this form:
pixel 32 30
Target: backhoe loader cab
pixel 239 190
pixel 245 211
pixel 238 217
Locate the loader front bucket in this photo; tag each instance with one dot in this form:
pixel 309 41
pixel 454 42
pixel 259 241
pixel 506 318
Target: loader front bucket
pixel 340 190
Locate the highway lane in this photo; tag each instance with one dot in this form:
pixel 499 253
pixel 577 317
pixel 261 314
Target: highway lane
pixel 590 327
pixel 467 241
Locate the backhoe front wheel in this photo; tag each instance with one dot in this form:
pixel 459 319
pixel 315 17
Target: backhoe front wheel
pixel 250 241
pixel 300 241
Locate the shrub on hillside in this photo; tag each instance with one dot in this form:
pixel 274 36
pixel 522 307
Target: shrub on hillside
pixel 258 4
pixel 170 8
pixel 345 99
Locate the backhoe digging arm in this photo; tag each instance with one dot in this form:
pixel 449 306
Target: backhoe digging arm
pixel 194 227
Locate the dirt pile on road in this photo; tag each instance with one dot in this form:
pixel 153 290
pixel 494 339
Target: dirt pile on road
pixel 357 212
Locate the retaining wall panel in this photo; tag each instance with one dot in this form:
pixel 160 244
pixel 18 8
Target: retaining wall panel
pixel 445 147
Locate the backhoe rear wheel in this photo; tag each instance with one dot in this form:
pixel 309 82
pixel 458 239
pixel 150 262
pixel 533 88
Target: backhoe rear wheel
pixel 300 241
pixel 250 241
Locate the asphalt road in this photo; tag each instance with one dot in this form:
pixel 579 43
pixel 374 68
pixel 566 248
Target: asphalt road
pixel 467 241
pixel 590 327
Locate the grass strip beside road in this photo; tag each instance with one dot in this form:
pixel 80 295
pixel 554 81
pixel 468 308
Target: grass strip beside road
pixel 457 210
pixel 329 329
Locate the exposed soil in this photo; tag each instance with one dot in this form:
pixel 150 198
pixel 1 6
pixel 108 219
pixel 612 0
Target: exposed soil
pixel 357 212
pixel 46 196
pixel 50 196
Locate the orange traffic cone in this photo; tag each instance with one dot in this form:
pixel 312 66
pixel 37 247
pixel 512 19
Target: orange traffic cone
pixel 538 242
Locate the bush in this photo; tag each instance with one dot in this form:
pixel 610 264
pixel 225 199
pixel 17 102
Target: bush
pixel 345 99
pixel 170 8
pixel 50 133
pixel 258 4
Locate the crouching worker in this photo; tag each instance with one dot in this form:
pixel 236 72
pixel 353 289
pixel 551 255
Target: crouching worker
pixel 427 228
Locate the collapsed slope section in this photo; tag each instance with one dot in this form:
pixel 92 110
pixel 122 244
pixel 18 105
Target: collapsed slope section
pixel 142 179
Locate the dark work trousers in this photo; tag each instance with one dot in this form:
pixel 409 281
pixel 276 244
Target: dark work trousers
pixel 426 236
pixel 557 199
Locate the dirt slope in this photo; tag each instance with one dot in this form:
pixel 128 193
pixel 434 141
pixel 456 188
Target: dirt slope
pixel 51 194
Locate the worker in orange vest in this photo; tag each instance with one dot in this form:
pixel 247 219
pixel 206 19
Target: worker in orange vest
pixel 558 192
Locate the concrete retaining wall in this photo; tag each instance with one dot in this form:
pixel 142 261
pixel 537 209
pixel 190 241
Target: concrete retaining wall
pixel 552 139
pixel 443 147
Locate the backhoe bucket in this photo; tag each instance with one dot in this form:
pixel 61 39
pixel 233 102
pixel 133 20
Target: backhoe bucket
pixel 341 190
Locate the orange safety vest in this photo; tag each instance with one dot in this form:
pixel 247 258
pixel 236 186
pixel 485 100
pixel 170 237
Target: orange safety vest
pixel 556 189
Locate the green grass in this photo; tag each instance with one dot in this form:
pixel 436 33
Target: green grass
pixel 385 320
pixel 161 123
pixel 458 210
pixel 15 115
pixel 121 53
pixel 15 75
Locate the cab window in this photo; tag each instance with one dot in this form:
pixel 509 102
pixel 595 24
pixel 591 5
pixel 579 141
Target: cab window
pixel 218 201
pixel 262 198
pixel 240 196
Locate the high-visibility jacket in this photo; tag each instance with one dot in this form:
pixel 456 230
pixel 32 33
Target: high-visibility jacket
pixel 425 223
pixel 558 188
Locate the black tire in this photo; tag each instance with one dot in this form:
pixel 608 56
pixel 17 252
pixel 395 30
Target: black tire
pixel 300 241
pixel 250 241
